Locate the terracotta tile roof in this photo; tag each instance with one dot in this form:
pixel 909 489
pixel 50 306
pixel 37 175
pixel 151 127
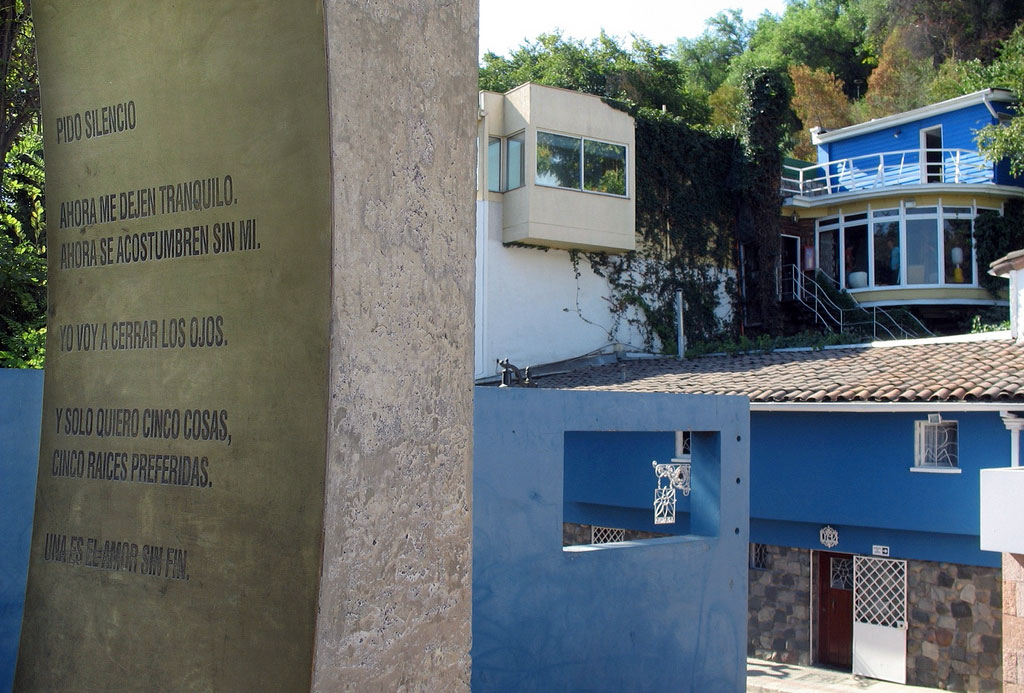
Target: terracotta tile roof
pixel 990 370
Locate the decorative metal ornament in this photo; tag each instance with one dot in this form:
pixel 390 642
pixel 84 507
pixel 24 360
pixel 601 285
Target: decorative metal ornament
pixel 828 536
pixel 671 477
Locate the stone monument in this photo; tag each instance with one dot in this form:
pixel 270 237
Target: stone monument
pixel 256 452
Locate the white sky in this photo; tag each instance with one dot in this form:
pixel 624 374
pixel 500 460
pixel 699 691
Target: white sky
pixel 504 25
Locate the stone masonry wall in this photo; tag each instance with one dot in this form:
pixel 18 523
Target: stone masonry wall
pixel 778 615
pixel 1013 623
pixel 954 637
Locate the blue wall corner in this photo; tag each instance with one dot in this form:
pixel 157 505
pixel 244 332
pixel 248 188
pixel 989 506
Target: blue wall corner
pixel 21 408
pixel 665 613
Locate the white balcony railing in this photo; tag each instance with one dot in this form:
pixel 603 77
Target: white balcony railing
pixel 888 169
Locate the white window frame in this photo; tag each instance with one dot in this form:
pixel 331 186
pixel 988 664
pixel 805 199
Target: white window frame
pixel 507 160
pixel 932 440
pixel 838 223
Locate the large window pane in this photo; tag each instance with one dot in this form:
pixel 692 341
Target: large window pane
pixel 887 252
pixel 855 256
pixel 558 160
pixel 514 161
pixel 604 167
pixel 494 164
pixel 828 255
pixel 959 257
pixel 922 251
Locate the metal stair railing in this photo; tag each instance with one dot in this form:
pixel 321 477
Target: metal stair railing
pixel 815 297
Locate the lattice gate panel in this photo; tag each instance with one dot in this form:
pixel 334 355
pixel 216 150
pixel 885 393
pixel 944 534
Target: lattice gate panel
pixel 880 591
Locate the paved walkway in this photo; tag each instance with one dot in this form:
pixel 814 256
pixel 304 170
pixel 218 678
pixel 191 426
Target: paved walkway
pixel 774 677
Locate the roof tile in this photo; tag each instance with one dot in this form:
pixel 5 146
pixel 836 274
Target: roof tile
pixel 990 370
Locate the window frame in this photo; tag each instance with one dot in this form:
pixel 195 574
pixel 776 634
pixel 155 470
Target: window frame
pixel 519 137
pixel 926 434
pixel 498 186
pixel 938 215
pixel 581 185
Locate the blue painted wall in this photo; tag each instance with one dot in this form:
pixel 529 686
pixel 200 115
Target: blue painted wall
pixel 21 407
pixel 959 129
pixel 958 132
pixel 852 471
pixel 665 614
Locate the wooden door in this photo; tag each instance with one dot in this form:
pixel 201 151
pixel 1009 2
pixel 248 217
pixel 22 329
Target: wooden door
pixel 835 610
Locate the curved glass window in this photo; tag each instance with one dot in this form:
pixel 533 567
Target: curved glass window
pixel 913 246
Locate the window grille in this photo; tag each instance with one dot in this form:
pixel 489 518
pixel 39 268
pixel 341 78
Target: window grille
pixel 842 573
pixel 606 535
pixel 759 557
pixel 682 444
pixel 936 443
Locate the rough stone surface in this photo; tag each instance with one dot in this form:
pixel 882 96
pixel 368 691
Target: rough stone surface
pixel 1013 623
pixel 395 596
pixel 778 627
pixel 955 624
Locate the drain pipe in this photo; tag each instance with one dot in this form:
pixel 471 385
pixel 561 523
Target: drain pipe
pixel 680 333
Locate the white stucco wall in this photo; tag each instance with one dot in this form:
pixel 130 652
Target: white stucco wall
pixel 526 307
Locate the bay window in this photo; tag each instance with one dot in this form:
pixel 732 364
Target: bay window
pixel 903 247
pixel 578 163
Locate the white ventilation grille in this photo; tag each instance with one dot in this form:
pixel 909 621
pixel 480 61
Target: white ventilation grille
pixel 880 592
pixel 606 535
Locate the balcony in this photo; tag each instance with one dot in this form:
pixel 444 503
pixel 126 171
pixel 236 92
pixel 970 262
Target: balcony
pixel 873 172
pixel 1002 513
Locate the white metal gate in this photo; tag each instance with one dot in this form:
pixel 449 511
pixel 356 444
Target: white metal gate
pixel 880 618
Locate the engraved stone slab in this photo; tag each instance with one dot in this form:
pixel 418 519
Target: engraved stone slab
pixel 196 415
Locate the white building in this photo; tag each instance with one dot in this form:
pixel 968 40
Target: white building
pixel 556 173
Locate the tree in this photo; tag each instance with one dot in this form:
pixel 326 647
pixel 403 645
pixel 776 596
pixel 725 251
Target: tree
pixel 998 142
pixel 900 82
pixel 765 115
pixel 20 77
pixel 822 34
pixel 944 29
pixel 819 101
pixel 23 256
pixel 22 223
pixel 643 75
pixel 705 60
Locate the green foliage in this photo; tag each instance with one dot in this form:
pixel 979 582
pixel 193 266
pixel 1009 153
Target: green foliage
pixel 994 237
pixel 687 184
pixel 22 222
pixel 644 74
pixel 980 324
pixel 22 256
pixel 767 343
pixel 822 34
pixel 765 114
pixel 705 60
pixel 18 73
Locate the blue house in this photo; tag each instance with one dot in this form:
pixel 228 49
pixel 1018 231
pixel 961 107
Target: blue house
pixel 887 212
pixel 864 498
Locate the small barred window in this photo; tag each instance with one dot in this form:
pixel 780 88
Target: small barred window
pixel 936 443
pixel 759 557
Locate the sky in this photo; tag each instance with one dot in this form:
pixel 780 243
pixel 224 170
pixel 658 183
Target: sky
pixel 504 26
